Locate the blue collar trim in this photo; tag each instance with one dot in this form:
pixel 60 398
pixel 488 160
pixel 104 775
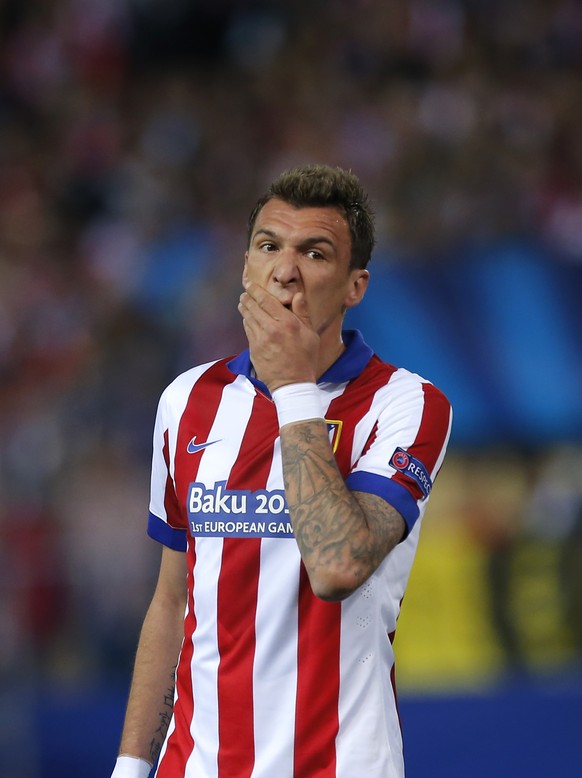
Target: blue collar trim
pixel 348 366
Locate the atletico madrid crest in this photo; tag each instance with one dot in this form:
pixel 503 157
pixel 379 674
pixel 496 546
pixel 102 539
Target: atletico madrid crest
pixel 334 429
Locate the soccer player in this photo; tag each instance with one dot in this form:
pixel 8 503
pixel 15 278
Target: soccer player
pixel 288 486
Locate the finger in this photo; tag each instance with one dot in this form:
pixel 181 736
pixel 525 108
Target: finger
pixel 255 320
pixel 266 301
pixel 248 308
pixel 245 308
pixel 242 306
pixel 299 308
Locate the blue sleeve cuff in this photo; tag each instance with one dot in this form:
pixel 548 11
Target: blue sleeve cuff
pixel 397 495
pixel 162 532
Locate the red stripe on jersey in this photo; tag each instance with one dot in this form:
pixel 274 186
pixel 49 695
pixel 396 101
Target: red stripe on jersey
pixel 237 604
pixel 434 427
pixel 318 681
pixel 431 435
pixel 181 742
pixel 370 440
pixel 196 421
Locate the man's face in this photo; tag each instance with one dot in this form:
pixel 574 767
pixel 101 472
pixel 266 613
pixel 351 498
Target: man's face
pixel 305 250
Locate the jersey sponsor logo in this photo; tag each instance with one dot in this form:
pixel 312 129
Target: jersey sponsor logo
pixel 408 465
pixel 194 448
pixel 334 429
pixel 237 513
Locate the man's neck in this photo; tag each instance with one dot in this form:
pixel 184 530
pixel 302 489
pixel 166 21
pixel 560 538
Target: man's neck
pixel 330 356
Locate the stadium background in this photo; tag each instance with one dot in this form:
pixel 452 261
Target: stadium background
pixel 134 136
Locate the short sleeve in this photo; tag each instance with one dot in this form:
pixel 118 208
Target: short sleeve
pixel 166 521
pixel 405 450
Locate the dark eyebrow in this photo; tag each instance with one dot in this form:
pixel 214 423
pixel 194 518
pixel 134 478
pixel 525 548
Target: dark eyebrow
pixel 265 231
pixel 314 239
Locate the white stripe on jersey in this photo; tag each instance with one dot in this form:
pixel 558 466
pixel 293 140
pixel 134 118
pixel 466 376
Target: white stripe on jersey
pixel 275 667
pixel 401 404
pixel 367 694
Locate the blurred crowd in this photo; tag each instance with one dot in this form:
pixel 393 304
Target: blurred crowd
pixel 135 136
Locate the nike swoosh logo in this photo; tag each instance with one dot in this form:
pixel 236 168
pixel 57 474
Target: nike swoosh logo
pixel 193 447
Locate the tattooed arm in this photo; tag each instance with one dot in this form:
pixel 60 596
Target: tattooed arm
pixel 343 536
pixel 151 698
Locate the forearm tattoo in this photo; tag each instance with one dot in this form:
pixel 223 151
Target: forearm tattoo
pixel 164 716
pixel 332 525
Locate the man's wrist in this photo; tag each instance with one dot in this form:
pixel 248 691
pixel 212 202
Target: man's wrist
pixel 297 402
pixel 128 766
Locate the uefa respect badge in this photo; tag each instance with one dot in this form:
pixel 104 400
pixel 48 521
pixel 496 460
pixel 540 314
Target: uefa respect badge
pixel 412 467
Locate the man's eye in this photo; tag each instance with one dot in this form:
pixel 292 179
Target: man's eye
pixel 268 247
pixel 315 254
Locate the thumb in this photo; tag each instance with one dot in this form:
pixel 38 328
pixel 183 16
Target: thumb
pixel 299 308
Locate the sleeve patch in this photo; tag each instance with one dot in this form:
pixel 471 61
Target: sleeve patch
pixel 413 468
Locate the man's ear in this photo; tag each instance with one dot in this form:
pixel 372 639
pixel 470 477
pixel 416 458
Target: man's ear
pixel 245 267
pixel 358 284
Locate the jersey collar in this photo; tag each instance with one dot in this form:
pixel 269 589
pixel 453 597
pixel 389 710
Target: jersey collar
pixel 348 366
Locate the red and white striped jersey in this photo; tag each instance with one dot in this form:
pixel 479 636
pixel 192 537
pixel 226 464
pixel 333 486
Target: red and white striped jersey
pixel 272 681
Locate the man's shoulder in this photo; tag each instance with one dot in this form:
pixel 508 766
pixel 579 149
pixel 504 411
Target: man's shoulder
pixel 216 370
pixel 401 381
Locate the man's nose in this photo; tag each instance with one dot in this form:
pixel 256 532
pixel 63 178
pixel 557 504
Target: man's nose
pixel 286 269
